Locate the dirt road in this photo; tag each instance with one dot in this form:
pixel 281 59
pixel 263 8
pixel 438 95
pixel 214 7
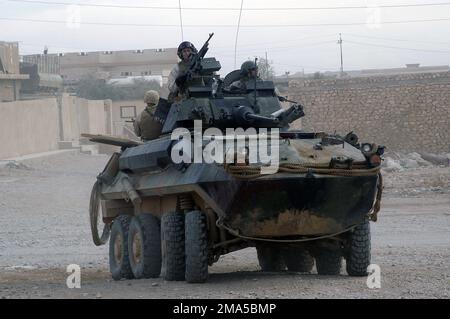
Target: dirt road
pixel 44 228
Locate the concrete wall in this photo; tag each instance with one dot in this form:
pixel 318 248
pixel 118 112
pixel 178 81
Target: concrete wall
pixel 8 90
pixel 404 112
pixel 91 116
pixel 35 126
pixel 28 127
pixel 69 117
pixel 96 117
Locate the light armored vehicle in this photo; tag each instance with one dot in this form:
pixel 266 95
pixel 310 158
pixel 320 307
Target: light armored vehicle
pixel 173 219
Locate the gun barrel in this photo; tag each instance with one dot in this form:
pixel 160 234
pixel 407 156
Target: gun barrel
pixel 263 120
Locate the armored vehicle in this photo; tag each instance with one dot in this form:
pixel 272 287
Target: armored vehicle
pixel 171 218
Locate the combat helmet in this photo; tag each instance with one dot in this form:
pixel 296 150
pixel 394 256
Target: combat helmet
pixel 248 66
pixel 184 45
pixel 151 97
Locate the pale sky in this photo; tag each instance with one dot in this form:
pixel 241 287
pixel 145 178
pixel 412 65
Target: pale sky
pixel 290 45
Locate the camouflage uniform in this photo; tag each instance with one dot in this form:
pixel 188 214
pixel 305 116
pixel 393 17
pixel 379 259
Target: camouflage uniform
pixel 146 125
pixel 241 85
pixel 178 71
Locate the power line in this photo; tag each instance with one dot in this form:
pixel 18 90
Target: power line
pixel 237 33
pixel 399 48
pixel 286 41
pixel 219 48
pixel 225 25
pixel 277 49
pixel 394 39
pixel 219 52
pixel 231 8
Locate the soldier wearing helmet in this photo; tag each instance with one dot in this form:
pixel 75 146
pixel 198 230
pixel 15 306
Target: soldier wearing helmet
pixel 146 125
pixel 177 76
pixel 249 71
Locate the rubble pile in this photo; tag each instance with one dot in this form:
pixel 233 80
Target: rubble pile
pixel 395 162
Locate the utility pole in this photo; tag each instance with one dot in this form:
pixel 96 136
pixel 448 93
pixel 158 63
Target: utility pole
pixel 181 21
pixel 342 59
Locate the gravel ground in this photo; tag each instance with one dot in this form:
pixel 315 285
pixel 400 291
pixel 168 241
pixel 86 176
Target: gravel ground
pixel 45 227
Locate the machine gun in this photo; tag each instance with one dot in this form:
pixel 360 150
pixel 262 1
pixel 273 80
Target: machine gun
pixel 194 64
pixel 246 116
pixel 287 116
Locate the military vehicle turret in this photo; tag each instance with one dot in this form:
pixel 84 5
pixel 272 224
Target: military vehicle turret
pixel 174 218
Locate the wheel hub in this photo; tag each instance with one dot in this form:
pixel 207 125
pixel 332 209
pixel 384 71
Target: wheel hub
pixel 118 242
pixel 137 247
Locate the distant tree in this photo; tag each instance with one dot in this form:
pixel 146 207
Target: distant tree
pixel 265 69
pixel 318 75
pixel 98 89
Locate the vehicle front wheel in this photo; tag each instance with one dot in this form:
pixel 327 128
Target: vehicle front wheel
pixel 144 246
pixel 119 263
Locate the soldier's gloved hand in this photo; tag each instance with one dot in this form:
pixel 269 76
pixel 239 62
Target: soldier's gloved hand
pixel 179 81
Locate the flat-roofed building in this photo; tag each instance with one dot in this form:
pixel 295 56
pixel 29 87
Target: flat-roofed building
pixel 75 66
pixel 10 77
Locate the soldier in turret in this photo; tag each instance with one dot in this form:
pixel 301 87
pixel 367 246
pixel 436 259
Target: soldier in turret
pixel 177 76
pixel 249 72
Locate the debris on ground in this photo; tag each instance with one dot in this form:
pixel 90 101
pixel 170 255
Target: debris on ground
pixel 396 162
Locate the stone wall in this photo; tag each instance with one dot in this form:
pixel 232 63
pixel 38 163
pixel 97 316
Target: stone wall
pixel 404 112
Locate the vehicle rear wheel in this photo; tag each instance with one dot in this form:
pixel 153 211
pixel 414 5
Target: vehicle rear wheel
pixel 298 259
pixel 358 256
pixel 172 246
pixel 196 247
pixel 144 246
pixel 328 261
pixel 119 263
pixel 270 258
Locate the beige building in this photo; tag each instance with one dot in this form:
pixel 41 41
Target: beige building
pixel 112 64
pixel 10 77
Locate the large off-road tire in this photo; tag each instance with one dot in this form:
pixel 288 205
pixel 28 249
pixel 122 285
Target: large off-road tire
pixel 196 243
pixel 298 259
pixel 144 246
pixel 358 250
pixel 172 246
pixel 328 261
pixel 119 263
pixel 270 258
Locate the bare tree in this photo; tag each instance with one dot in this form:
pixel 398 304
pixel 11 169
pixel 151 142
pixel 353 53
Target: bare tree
pixel 265 68
pixel 99 89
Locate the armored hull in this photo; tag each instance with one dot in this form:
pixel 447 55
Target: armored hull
pixel 269 206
